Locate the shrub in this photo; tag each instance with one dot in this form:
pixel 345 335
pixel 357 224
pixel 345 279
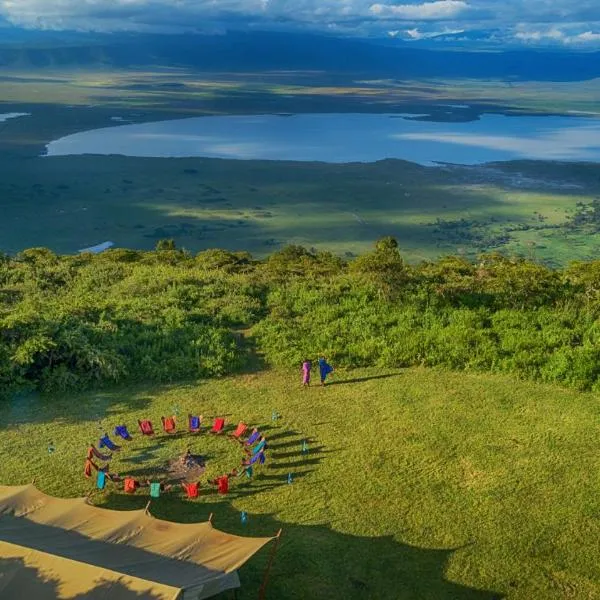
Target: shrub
pixel 164 315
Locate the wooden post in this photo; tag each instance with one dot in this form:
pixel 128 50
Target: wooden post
pixel 263 587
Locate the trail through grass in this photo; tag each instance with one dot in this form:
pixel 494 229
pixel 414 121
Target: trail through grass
pixel 417 484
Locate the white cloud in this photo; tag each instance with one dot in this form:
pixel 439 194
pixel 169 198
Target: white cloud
pixel 416 34
pixel 536 36
pixel 539 22
pixel 560 35
pixel 588 36
pixel 440 10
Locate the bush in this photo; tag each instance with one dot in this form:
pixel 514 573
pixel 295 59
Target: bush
pixel 77 321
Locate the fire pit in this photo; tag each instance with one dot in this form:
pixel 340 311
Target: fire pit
pixel 187 467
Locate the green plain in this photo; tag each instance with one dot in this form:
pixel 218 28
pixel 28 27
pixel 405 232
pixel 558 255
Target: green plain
pixel 417 484
pixel 70 203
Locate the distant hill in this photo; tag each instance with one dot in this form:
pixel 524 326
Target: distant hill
pixel 237 51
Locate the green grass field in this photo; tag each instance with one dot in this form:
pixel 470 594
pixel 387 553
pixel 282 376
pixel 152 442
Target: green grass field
pixel 418 484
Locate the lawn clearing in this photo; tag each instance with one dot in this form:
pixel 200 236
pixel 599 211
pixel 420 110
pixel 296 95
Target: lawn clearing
pixel 417 484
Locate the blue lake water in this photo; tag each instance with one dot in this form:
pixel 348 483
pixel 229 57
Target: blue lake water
pixel 341 138
pixel 7 116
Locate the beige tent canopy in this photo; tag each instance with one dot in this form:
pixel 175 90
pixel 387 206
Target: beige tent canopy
pixel 69 549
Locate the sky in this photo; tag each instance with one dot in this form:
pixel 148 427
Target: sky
pixel 564 23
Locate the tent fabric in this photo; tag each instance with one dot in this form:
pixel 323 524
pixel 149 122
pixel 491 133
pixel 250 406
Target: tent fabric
pixel 194 558
pixel 192 489
pixel 240 430
pixel 168 424
pixel 255 435
pixel 218 425
pixel 27 573
pixel 194 424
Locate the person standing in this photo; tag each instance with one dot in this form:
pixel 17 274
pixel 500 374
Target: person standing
pixel 324 369
pixel 306 367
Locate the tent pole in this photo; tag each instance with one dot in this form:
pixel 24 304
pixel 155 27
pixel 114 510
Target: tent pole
pixel 263 587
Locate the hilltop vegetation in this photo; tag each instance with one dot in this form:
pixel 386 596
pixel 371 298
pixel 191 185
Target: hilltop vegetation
pixel 166 315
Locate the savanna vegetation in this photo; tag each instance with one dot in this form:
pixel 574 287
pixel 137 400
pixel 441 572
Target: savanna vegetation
pixel 167 315
pixel 530 208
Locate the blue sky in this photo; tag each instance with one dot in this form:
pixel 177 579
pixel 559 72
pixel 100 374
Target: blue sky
pixel 565 23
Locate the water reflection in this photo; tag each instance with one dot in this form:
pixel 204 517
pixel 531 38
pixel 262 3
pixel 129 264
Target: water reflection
pixel 339 138
pixel 7 116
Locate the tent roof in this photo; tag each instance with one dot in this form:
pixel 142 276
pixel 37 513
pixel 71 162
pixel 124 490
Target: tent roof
pixel 131 546
pixel 27 573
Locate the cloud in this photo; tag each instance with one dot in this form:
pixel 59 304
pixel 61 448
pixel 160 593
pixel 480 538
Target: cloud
pixel 576 143
pixel 588 36
pixel 536 36
pixel 567 36
pixel 537 22
pixel 416 34
pixel 440 10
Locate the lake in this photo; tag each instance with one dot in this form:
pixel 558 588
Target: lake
pixel 342 138
pixel 7 116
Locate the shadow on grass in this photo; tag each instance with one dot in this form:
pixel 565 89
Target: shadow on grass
pixel 273 474
pixel 42 586
pixel 143 455
pixel 254 359
pixel 103 409
pixel 313 561
pixel 362 379
pixel 318 562
pixel 281 455
pixel 295 448
pixel 279 435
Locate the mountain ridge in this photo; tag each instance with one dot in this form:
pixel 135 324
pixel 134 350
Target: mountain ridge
pixel 264 51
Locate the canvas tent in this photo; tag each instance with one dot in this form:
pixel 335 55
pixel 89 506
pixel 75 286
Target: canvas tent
pixel 68 549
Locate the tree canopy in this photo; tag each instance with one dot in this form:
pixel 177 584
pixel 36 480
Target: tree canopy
pixel 164 315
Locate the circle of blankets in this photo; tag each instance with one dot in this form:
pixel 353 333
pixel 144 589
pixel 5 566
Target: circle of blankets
pixel 253 443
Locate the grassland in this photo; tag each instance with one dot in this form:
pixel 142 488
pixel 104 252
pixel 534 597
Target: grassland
pixel 295 91
pixel 417 484
pixel 74 202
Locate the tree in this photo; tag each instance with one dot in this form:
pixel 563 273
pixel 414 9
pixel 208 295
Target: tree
pixel 387 243
pixel 297 261
pixel 163 245
pixel 384 268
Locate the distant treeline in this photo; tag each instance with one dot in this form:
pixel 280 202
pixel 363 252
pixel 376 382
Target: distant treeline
pixel 166 315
